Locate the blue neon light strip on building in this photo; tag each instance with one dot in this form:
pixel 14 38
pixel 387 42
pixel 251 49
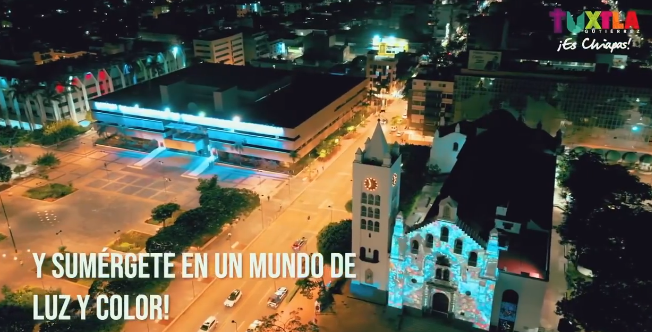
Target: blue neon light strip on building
pixel 191 119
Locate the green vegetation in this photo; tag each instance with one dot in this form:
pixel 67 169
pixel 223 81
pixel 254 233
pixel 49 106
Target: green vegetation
pixel 47 159
pixel 131 241
pixel 2 236
pixel 50 192
pixel 217 207
pixel 48 267
pixel 56 132
pixel 165 213
pixel 572 274
pixel 330 145
pixel 128 143
pixel 20 168
pixel 413 175
pixel 604 225
pixel 335 238
pixel 16 308
pixel 5 173
pixel 293 322
pixel 349 206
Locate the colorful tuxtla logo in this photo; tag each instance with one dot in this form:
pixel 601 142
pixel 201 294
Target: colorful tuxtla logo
pixel 594 21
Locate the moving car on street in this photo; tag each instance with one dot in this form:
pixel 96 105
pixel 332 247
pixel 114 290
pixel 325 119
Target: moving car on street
pixel 255 326
pixel 209 325
pixel 276 299
pixel 299 243
pixel 233 298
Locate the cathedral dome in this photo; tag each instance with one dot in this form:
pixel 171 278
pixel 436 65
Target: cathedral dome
pixel 630 157
pixel 579 149
pixel 612 156
pixel 646 159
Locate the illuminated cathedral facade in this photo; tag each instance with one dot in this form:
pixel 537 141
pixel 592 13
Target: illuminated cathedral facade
pixel 492 277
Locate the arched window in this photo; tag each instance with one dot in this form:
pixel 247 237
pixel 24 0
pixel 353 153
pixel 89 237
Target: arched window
pixel 429 240
pixel 369 276
pixel 510 296
pixel 363 212
pixel 456 146
pixel 363 252
pixel 447 275
pixel 363 224
pixel 443 235
pixel 376 227
pixel 459 246
pixel 377 213
pixel 415 247
pixel 377 201
pixel 370 212
pixel 438 274
pixel 376 256
pixel 363 199
pixel 447 213
pixel 473 258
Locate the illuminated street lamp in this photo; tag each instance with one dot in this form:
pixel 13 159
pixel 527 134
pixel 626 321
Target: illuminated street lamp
pixel 236 119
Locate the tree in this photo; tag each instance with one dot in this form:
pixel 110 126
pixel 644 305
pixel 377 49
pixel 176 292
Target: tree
pixel 47 159
pixel 19 169
pixel 294 155
pixel 16 318
pixel 605 224
pixel 349 206
pixel 293 323
pixel 207 184
pixel 396 120
pixel 5 173
pixel 335 238
pixel 307 286
pixel 164 211
pixel 433 172
pixel 174 239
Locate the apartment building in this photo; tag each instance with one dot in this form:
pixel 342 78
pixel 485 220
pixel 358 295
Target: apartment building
pixel 225 47
pixel 430 102
pixel 381 72
pixel 291 7
pixel 256 45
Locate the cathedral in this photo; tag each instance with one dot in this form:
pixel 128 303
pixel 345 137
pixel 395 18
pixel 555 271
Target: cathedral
pixel 481 254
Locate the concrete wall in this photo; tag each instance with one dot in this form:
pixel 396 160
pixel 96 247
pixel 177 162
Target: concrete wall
pixel 530 292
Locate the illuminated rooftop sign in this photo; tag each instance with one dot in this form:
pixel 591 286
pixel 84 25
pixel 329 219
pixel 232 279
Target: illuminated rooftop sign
pixel 234 124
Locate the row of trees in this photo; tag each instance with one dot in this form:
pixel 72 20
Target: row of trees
pixel 606 227
pixel 30 93
pixel 47 159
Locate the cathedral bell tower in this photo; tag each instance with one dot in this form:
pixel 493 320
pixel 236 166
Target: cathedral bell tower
pixel 376 181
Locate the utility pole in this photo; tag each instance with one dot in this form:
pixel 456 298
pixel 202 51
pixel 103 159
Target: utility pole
pixel 11 233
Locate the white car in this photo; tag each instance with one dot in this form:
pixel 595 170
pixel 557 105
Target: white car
pixel 393 129
pixel 209 325
pixel 255 326
pixel 404 115
pixel 275 300
pixel 233 298
pixel 399 133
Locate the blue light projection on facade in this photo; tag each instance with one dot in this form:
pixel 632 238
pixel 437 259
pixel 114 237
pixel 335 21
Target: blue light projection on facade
pixel 424 263
pixel 191 119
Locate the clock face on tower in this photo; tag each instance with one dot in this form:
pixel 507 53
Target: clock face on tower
pixel 394 179
pixel 370 184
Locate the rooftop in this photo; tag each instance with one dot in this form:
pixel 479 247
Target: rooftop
pixel 217 34
pixel 527 253
pixel 288 106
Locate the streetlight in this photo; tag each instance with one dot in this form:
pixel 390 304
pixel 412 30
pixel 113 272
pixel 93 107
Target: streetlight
pixel 106 168
pixel 60 237
pixel 236 325
pixel 192 283
pixel 116 232
pixel 11 233
pixel 331 207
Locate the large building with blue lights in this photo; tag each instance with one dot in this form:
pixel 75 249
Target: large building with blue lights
pixel 481 253
pixel 218 111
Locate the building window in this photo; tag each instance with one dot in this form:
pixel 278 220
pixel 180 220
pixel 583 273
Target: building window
pixel 363 198
pixel 363 212
pixel 473 258
pixel 459 246
pixel 429 240
pixel 376 213
pixel 377 201
pixel 443 235
pixel 363 253
pixel 370 212
pixel 438 274
pixel 447 275
pixel 376 227
pixel 456 146
pixel 447 213
pixel 376 256
pixel 363 224
pixel 415 247
pixel 369 277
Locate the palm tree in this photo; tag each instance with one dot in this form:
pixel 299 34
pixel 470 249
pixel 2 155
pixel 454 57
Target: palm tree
pixel 21 92
pixel 238 148
pixel 69 88
pixel 294 155
pixel 52 97
pixel 154 67
pixel 37 95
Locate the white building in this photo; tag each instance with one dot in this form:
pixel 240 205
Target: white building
pixel 225 47
pixel 70 98
pixel 482 259
pixel 381 72
pixel 430 102
pixel 445 148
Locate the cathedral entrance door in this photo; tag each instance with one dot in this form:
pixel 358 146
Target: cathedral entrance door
pixel 440 303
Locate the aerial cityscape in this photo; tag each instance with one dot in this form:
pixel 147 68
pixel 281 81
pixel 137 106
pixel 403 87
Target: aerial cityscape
pixel 487 163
